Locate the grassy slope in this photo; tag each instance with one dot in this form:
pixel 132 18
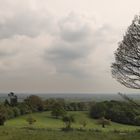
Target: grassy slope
pixel 44 120
pixel 14 129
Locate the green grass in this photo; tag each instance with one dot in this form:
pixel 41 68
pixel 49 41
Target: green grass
pixel 48 128
pixel 44 120
pixel 21 134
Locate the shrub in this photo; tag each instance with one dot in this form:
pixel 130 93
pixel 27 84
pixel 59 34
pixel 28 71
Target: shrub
pixel 30 120
pixel 68 120
pixel 16 111
pixel 2 115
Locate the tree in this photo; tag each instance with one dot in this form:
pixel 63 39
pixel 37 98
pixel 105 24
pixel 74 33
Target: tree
pixel 98 110
pixel 6 102
pixel 2 115
pixel 83 122
pixel 103 122
pixel 58 110
pixel 126 68
pixel 30 120
pixel 117 111
pixel 35 103
pixel 16 111
pixel 130 100
pixel 13 99
pixel 68 120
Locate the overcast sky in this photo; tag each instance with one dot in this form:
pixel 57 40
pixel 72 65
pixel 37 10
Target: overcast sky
pixel 62 45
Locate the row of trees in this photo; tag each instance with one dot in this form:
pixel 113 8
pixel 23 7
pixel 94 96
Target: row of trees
pixel 12 108
pixel 122 112
pixel 117 111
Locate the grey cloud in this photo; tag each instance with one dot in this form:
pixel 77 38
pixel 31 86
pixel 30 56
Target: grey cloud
pixel 69 47
pixel 28 23
pixel 4 54
pixel 76 35
pixel 77 41
pixel 63 57
pixel 67 52
pixel 73 36
pixel 73 29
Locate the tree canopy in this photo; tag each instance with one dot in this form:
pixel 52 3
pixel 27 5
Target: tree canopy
pixel 126 68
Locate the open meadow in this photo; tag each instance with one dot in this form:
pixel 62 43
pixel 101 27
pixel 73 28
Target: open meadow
pixel 48 128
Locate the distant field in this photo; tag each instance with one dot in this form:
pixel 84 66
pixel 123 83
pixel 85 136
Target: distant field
pixel 48 128
pixel 74 96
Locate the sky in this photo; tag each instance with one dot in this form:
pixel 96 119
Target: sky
pixel 62 46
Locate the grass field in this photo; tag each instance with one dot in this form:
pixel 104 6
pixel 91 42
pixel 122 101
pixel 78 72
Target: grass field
pixel 48 128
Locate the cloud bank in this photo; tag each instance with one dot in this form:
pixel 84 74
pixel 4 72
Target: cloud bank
pixel 40 52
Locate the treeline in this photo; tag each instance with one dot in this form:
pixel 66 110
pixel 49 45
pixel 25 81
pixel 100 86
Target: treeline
pixel 117 111
pixel 12 108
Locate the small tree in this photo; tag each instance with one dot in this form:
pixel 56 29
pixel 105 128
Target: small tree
pixel 102 121
pixel 68 120
pixel 30 120
pixel 83 122
pixel 58 110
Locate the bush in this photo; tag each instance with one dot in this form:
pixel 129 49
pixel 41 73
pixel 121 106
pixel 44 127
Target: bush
pixel 24 108
pixel 9 113
pixel 2 115
pixel 117 111
pixel 68 120
pixel 16 111
pixel 137 120
pixel 30 120
pixel 102 121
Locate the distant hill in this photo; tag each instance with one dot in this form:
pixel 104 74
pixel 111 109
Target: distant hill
pixel 74 96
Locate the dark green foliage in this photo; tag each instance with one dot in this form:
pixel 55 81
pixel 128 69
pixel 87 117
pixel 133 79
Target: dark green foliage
pixel 68 120
pixel 16 111
pixel 68 106
pixel 137 119
pixel 35 103
pixel 98 110
pixel 9 112
pixel 6 103
pixel 24 108
pixel 58 110
pixel 12 108
pixel 2 115
pixel 49 104
pixel 117 111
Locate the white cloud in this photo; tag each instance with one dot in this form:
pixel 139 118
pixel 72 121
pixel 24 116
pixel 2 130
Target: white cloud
pixel 40 51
